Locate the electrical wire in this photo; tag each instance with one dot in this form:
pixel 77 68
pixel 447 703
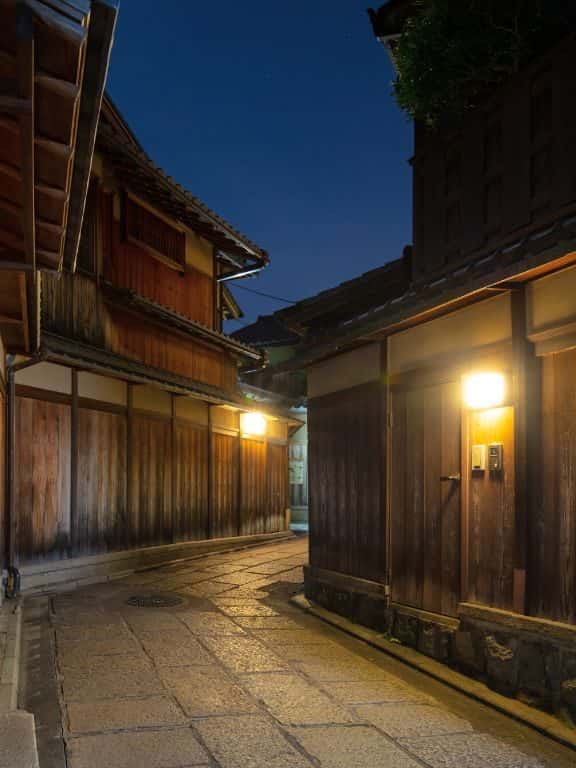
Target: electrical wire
pixel 266 295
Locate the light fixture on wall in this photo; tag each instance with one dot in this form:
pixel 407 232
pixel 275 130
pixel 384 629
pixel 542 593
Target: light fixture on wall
pixel 484 390
pixel 253 423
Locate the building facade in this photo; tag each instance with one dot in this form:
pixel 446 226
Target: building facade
pixel 131 440
pixel 442 421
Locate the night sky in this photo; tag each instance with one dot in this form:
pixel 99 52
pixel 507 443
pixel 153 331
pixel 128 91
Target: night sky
pixel 280 117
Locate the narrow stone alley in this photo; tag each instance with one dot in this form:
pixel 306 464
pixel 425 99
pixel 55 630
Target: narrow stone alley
pixel 229 673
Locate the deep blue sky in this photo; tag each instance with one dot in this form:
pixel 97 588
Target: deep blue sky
pixel 280 117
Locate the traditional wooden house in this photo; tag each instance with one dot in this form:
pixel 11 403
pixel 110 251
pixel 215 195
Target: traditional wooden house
pixel 53 64
pixel 132 441
pixel 442 422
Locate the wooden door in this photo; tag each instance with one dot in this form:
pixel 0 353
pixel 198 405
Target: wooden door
pixel 424 508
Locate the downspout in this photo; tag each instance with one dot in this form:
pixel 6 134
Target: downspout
pixel 12 577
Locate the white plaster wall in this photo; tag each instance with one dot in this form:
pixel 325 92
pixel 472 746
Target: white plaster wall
pixel 344 371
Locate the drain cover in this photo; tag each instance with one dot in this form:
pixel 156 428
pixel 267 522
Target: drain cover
pixel 154 600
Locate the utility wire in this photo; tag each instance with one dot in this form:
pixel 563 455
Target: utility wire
pixel 266 295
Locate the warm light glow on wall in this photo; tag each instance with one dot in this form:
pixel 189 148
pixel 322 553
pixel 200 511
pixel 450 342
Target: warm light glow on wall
pixel 253 423
pixel 484 390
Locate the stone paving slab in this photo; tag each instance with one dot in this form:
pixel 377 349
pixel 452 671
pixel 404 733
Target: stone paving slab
pixel 105 677
pixel 102 640
pixel 377 692
pixel 152 620
pixel 336 670
pixel 17 740
pixel 405 720
pixel 206 691
pixel 284 637
pixel 248 608
pixel 293 701
pixel 169 648
pixel 474 750
pixel 267 622
pixel 210 624
pixel 176 748
pixel 357 747
pixel 123 714
pixel 244 654
pixel 248 742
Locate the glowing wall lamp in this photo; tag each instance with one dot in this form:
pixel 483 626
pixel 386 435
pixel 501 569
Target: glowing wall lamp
pixel 484 390
pixel 253 423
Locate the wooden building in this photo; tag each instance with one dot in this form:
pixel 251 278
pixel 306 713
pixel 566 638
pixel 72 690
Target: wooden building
pixel 132 441
pixel 442 420
pixel 53 65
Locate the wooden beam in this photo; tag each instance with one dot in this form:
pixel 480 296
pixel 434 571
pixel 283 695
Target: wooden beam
pixel 12 240
pixel 50 191
pixel 526 395
pixel 24 310
pixel 11 171
pixel 65 27
pixel 16 210
pixel 10 124
pixel 25 55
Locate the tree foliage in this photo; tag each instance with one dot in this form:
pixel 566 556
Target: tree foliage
pixel 451 51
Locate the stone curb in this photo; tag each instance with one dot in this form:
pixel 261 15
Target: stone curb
pixel 539 721
pixel 10 663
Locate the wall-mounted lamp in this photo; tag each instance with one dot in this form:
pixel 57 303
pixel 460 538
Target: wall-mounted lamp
pixel 253 423
pixel 484 390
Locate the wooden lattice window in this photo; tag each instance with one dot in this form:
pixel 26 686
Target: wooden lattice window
pixel 149 231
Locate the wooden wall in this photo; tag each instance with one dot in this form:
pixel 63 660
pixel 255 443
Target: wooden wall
pixel 552 583
pixel 506 170
pixel 347 465
pixel 93 477
pixel 73 307
pixel 424 510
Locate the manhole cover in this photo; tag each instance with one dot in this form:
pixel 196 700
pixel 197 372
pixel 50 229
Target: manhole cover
pixel 154 601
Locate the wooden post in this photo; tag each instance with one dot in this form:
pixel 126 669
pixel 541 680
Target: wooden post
pixel 210 504
pixel 386 443
pixel 129 510
pixel 525 388
pixel 74 538
pixel 13 558
pixel 173 454
pixel 239 480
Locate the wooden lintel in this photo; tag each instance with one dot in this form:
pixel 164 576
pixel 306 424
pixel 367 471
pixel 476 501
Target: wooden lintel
pixel 25 56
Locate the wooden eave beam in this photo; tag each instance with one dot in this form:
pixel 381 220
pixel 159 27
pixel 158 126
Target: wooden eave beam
pixel 25 76
pixel 14 105
pixel 13 172
pixel 66 28
pixel 57 85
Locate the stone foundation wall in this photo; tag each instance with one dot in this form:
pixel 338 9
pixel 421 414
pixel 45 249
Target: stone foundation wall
pixel 530 659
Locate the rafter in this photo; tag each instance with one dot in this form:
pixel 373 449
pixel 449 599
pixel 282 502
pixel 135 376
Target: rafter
pixel 25 73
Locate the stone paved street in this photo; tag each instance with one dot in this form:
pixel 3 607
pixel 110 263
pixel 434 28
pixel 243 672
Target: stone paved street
pixel 236 676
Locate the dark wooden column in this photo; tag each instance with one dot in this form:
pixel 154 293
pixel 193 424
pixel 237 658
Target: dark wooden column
pixel 74 538
pixel 210 500
pixel 128 536
pixel 526 399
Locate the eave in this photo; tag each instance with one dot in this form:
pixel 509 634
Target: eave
pixel 53 63
pixel 238 255
pixel 126 299
pixel 526 258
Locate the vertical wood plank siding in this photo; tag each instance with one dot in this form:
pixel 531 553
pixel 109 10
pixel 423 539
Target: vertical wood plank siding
pixel 425 512
pixel 224 485
pixel 72 307
pixel 163 460
pixel 253 490
pixel 43 478
pixel 150 493
pixel 129 266
pixel 492 514
pixel 191 487
pixel 346 512
pixel 3 489
pixel 102 517
pixel 552 584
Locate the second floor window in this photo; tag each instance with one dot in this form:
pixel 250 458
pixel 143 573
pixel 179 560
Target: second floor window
pixel 144 228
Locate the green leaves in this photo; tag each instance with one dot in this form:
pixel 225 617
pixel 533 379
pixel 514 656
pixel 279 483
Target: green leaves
pixel 452 51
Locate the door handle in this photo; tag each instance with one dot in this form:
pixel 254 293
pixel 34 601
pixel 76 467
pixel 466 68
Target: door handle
pixel 452 478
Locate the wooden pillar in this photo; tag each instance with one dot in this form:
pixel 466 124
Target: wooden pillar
pixel 239 481
pixel 386 452
pixel 173 460
pixel 13 556
pixel 74 538
pixel 210 500
pixel 129 429
pixel 525 394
